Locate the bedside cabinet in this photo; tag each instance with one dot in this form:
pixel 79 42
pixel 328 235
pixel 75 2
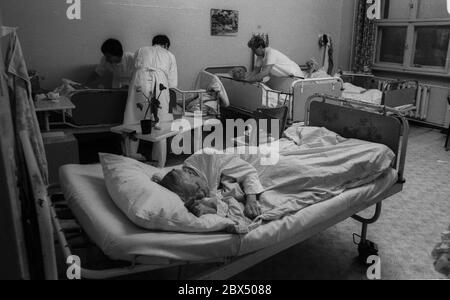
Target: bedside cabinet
pixel 61 149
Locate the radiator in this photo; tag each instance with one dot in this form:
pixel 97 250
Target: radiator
pixel 422 103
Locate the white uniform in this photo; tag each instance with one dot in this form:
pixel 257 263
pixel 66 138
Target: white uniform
pixel 282 65
pixel 122 72
pixel 154 66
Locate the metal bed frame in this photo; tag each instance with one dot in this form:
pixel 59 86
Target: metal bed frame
pixel 387 126
pixel 292 91
pixel 397 94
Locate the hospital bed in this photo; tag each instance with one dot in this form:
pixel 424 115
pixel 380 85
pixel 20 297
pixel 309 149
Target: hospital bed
pixel 201 90
pixel 95 108
pixel 136 250
pixel 294 92
pixel 278 91
pixel 394 93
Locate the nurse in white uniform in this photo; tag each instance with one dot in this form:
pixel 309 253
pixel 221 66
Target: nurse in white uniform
pixel 270 62
pixel 153 66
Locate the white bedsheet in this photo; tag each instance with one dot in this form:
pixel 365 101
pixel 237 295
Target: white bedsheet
pixel 360 94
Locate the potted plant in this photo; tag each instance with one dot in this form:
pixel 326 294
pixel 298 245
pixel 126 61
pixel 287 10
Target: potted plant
pixel 153 104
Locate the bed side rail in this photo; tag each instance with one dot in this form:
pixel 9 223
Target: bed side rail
pixel 222 69
pixel 251 95
pixel 382 125
pixel 369 81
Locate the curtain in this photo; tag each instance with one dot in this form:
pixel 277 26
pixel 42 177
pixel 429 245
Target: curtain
pixel 22 104
pixel 24 118
pixel 364 41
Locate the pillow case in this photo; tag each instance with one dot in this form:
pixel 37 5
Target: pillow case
pixel 149 205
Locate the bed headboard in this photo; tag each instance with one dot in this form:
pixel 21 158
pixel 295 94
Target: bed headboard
pixel 400 97
pixel 99 107
pixel 358 124
pixel 222 69
pixel 389 128
pixel 243 95
pixel 282 84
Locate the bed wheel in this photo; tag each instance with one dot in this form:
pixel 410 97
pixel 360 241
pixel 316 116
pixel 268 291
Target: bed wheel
pixel 365 250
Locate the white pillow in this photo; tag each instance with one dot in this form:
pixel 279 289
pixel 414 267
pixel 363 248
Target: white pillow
pixel 149 205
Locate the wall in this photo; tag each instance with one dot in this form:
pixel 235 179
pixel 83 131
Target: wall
pixel 58 48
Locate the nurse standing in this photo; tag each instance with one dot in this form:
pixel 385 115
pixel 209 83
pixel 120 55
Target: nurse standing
pixel 154 66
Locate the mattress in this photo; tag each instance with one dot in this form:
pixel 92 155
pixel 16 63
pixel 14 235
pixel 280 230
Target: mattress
pixel 120 239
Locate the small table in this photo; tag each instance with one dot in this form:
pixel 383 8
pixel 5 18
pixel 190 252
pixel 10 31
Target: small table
pixel 46 106
pixel 159 137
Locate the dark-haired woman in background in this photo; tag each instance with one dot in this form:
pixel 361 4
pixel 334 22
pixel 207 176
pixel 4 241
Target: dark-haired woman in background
pixel 114 62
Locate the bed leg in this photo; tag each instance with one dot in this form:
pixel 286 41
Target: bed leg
pixel 366 248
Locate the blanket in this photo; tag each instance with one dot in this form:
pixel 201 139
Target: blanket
pixel 316 166
pixel 353 92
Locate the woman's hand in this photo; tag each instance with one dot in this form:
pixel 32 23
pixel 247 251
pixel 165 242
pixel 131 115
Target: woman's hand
pixel 202 207
pixel 252 208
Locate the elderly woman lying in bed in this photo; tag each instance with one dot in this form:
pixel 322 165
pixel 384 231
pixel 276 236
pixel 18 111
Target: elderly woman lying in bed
pixel 315 165
pixel 206 180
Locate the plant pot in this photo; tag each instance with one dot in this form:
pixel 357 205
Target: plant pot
pixel 146 126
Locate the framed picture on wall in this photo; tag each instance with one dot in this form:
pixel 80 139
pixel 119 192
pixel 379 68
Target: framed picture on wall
pixel 224 22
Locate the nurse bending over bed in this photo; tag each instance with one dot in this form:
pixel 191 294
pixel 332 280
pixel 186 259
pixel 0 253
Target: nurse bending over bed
pixel 270 62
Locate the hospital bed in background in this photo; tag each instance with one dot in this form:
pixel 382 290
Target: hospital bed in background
pixel 278 91
pixel 134 250
pixel 179 97
pixel 403 95
pixel 95 108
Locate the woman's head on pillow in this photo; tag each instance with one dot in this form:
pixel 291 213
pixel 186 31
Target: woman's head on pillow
pixel 238 73
pixel 186 183
pixel 312 66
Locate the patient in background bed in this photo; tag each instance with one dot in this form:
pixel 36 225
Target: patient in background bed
pixel 314 70
pixel 238 73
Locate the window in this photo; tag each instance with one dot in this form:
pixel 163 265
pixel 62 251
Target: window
pixel 392 44
pixel 431 46
pixel 414 36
